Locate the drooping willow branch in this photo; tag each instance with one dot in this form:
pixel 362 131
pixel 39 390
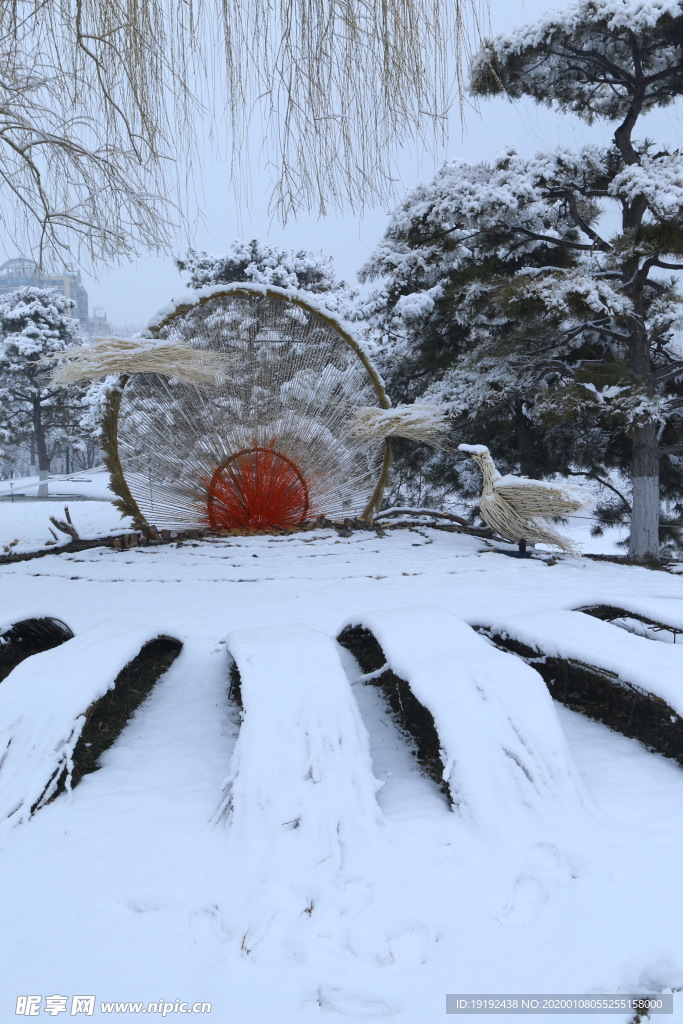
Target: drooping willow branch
pixel 99 98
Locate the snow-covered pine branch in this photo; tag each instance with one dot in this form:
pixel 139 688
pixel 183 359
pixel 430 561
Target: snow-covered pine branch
pixel 312 274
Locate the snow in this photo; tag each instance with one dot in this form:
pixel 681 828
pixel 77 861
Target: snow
pixel 92 484
pixel 136 886
pixel 657 668
pixel 25 525
pixel 474 449
pixel 506 760
pixel 569 491
pixel 42 711
pixel 312 273
pixel 306 834
pixel 636 15
pixel 417 304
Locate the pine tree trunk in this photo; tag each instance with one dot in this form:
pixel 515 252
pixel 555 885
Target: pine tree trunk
pixel 527 462
pixel 41 448
pixel 644 540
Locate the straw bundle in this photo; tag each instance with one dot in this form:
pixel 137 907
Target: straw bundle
pixel 141 355
pixel 516 507
pixel 425 423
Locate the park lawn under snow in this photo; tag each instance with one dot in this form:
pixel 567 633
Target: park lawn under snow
pixel 25 524
pixel 301 867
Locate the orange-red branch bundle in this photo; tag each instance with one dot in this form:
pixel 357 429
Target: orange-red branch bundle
pixel 257 489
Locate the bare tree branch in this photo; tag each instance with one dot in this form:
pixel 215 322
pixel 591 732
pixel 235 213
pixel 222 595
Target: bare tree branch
pixel 565 243
pixel 604 483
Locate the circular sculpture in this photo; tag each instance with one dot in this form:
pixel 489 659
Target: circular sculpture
pixel 267 444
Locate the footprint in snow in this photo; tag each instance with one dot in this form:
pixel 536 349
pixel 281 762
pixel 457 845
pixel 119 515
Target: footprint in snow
pixel 338 1000
pixel 409 947
pixel 543 873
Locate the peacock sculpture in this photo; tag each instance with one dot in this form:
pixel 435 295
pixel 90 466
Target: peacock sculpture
pixel 516 507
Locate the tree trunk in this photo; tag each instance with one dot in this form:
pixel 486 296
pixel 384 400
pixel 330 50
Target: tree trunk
pixel 527 462
pixel 644 540
pixel 41 448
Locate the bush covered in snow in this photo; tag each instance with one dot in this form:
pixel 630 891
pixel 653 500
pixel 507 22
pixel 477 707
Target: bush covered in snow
pixel 257 262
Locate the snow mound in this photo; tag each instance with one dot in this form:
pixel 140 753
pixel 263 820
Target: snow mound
pixel 43 706
pixel 474 449
pixel 300 800
pixel 505 756
pixel 657 668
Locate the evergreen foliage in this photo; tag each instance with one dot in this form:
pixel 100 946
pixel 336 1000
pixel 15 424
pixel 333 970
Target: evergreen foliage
pixel 35 328
pixel 257 262
pixel 504 297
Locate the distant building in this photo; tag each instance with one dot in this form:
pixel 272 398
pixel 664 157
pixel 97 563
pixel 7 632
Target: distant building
pixel 98 321
pixel 22 273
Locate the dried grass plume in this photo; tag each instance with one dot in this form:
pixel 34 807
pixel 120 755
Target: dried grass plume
pixel 125 355
pixel 425 423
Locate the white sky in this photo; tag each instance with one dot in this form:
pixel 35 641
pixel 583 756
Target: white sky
pixel 133 292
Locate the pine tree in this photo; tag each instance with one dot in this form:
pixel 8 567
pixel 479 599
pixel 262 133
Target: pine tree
pixel 505 297
pixel 263 263
pixel 35 327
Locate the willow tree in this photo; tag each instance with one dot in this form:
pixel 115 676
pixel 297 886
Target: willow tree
pixel 101 96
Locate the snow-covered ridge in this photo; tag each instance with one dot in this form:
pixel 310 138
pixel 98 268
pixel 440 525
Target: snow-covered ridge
pixel 137 881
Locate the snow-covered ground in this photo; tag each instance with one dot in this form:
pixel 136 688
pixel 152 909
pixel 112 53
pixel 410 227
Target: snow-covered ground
pixel 300 867
pixel 89 497
pixel 25 524
pixel 91 483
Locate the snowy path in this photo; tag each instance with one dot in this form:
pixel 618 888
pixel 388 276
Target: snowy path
pixel 130 887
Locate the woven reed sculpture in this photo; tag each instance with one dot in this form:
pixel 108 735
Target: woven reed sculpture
pixel 515 507
pixel 233 412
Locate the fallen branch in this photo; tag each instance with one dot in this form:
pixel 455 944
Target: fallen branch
pixel 424 512
pixel 65 527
